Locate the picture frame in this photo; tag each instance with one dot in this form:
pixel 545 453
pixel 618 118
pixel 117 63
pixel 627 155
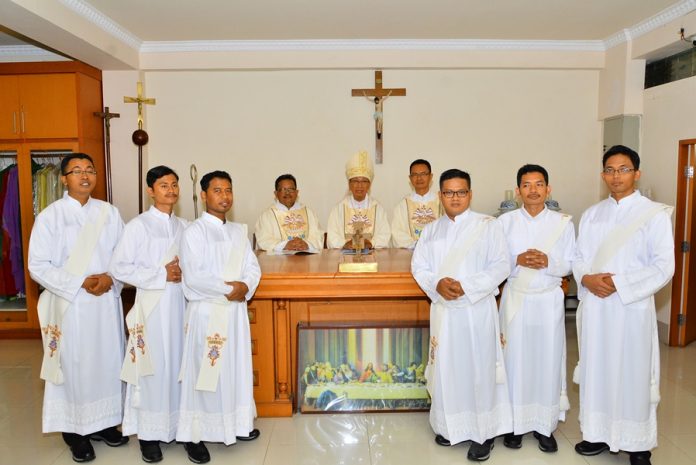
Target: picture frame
pixel 362 367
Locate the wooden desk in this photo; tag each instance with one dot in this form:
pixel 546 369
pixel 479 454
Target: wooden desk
pixel 309 288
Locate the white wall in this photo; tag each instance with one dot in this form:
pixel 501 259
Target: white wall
pixel 669 116
pixel 259 124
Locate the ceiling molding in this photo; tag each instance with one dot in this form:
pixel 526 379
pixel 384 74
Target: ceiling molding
pixel 9 53
pixel 103 22
pixel 665 16
pixel 617 39
pixel 360 44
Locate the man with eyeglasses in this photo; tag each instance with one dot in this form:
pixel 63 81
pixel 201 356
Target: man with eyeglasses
pixel 541 243
pixel 417 209
pixel 287 225
pixel 80 312
pixel 625 254
pixel 147 257
pixel 358 208
pixel 459 262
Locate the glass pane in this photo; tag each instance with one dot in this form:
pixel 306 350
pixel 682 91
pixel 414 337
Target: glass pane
pixel 12 286
pixel 45 170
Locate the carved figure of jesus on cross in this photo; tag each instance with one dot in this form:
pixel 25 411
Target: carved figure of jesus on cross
pixel 378 95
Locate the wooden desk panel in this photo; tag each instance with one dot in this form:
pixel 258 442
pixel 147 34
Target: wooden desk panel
pixel 309 288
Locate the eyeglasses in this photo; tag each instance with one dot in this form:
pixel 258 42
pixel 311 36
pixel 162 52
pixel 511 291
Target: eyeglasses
pixel 611 171
pixel 79 172
pixel 451 194
pixel 419 175
pixel 287 190
pixel 359 181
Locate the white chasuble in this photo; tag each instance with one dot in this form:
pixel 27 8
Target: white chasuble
pixel 277 225
pixel 155 323
pixel 619 368
pixel 91 338
pixel 350 211
pixel 470 399
pixel 532 313
pixel 218 333
pixel 411 215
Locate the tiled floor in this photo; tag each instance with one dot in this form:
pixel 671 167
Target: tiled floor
pixel 381 439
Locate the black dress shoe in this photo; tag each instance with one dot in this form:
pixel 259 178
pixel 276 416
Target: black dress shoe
pixel 197 452
pixel 546 443
pixel 513 441
pixel 640 458
pixel 480 452
pixel 150 451
pixel 591 448
pixel 253 434
pixel 440 440
pixel 82 450
pixel 111 436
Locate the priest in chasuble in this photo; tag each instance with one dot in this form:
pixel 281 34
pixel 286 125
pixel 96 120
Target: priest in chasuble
pixel 459 262
pixel 287 225
pixel 625 254
pixel 220 274
pixel 418 209
pixel 541 244
pixel 147 257
pixel 358 207
pixel 80 312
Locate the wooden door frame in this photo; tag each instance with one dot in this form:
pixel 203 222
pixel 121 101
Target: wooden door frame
pixel 682 229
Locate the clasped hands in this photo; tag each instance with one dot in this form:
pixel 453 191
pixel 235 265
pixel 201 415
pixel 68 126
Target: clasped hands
pixel 449 288
pixel 173 271
pixel 534 259
pixel 239 291
pixel 349 245
pixel 296 244
pixel 97 284
pixel 600 284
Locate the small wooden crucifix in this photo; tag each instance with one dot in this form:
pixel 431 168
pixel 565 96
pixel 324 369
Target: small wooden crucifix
pixel 378 95
pixel 140 99
pixel 106 115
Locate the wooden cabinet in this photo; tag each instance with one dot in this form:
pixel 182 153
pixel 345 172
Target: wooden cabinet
pixel 39 106
pixel 46 111
pixel 9 107
pixel 48 106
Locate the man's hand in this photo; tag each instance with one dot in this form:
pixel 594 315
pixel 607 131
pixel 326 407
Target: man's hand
pixel 98 284
pixel 449 289
pixel 296 244
pixel 533 258
pixel 349 245
pixel 600 284
pixel 173 271
pixel 239 290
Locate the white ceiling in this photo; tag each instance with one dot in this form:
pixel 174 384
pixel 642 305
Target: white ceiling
pixel 177 20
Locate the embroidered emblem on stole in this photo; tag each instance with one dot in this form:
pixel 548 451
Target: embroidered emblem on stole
pixel 215 344
pixel 54 340
pixel 420 215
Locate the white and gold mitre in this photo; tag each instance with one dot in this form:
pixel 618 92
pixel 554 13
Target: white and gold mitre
pixel 360 166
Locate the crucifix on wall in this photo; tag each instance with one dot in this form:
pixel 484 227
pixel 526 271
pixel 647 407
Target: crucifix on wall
pixel 377 96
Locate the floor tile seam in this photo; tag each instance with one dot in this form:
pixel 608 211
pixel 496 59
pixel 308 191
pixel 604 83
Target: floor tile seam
pixel 668 438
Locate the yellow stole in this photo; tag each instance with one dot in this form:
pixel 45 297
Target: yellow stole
pixel 420 214
pixel 352 215
pixel 292 223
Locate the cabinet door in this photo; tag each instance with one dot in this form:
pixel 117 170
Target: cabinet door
pixel 48 105
pixel 13 302
pixel 9 107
